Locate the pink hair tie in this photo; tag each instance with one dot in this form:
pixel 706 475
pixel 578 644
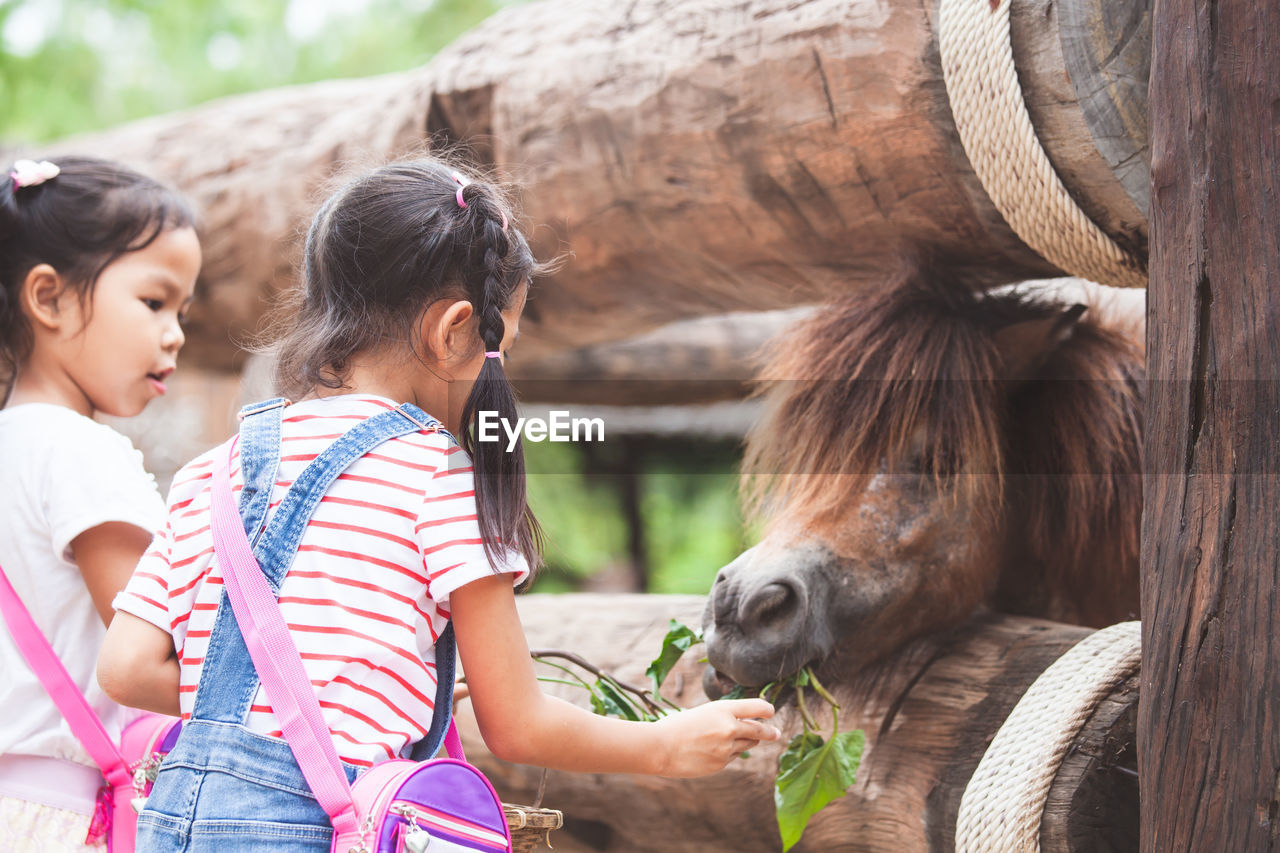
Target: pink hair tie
pixel 29 173
pixel 493 355
pixel 462 184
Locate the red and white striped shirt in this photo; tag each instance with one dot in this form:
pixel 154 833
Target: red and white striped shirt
pixel 368 591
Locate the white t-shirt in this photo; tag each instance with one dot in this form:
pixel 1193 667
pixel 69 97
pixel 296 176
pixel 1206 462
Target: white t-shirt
pixel 60 475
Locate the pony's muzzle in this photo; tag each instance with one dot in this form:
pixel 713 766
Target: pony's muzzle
pixel 758 623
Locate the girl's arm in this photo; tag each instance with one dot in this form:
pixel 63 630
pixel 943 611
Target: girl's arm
pixel 138 665
pixel 107 555
pixel 521 724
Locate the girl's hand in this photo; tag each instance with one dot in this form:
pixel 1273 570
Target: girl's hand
pixel 706 738
pixel 523 725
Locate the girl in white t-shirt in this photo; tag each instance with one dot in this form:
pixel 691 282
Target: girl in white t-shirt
pixel 97 265
pixel 415 278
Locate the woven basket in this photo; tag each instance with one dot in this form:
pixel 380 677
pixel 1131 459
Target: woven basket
pixel 531 827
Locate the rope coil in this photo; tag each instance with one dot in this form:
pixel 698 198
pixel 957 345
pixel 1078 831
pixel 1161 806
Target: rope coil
pixel 1002 804
pixel 1000 141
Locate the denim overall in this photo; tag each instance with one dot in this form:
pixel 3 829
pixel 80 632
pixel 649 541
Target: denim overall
pixel 224 788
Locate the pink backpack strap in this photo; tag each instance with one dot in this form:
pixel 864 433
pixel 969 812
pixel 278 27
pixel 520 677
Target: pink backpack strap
pixel 276 658
pixel 75 709
pixel 453 743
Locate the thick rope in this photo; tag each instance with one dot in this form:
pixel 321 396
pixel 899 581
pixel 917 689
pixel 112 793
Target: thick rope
pixel 996 131
pixel 1001 807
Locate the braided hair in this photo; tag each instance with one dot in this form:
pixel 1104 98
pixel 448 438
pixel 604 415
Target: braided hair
pixel 379 252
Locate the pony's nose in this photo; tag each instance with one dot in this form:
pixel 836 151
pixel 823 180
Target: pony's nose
pixel 721 603
pixel 772 605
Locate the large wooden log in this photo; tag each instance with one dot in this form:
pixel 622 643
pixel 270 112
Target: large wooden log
pixel 1209 723
pixel 928 714
pixel 695 156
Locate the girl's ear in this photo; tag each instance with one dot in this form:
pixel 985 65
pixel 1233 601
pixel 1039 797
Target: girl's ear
pixel 446 329
pixel 41 297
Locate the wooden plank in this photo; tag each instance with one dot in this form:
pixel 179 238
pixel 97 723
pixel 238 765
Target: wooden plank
pixel 1209 722
pixel 690 361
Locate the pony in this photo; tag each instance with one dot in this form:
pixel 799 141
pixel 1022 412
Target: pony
pixel 927 451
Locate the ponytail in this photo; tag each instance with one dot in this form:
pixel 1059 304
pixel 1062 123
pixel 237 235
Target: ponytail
pixel 385 246
pixel 502 503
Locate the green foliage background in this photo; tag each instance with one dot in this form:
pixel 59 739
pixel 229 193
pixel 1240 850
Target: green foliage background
pixel 72 66
pixel 104 62
pixel 688 499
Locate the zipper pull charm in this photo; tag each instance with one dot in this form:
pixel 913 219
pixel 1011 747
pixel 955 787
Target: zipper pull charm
pixel 417 840
pixel 143 776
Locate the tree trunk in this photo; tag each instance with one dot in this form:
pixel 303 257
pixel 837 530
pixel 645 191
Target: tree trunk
pixel 1209 723
pixel 928 715
pixel 695 156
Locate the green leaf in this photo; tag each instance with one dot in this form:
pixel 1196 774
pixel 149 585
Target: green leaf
pixel 738 692
pixel 613 702
pixel 800 747
pixel 679 639
pixel 811 774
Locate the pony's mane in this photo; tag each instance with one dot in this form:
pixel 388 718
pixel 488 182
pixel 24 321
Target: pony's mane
pixel 909 379
pixel 1073 502
pixel 862 385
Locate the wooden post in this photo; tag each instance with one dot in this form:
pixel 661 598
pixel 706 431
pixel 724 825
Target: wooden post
pixel 1208 733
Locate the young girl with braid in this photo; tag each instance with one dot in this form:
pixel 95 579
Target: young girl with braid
pixel 414 282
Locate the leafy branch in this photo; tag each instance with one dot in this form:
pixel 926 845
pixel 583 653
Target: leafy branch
pixel 812 770
pixel 609 696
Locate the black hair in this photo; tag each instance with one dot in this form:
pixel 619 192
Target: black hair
pixel 78 222
pixel 378 253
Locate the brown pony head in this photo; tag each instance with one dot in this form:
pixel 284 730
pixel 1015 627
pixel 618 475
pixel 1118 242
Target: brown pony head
pixel 927 451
